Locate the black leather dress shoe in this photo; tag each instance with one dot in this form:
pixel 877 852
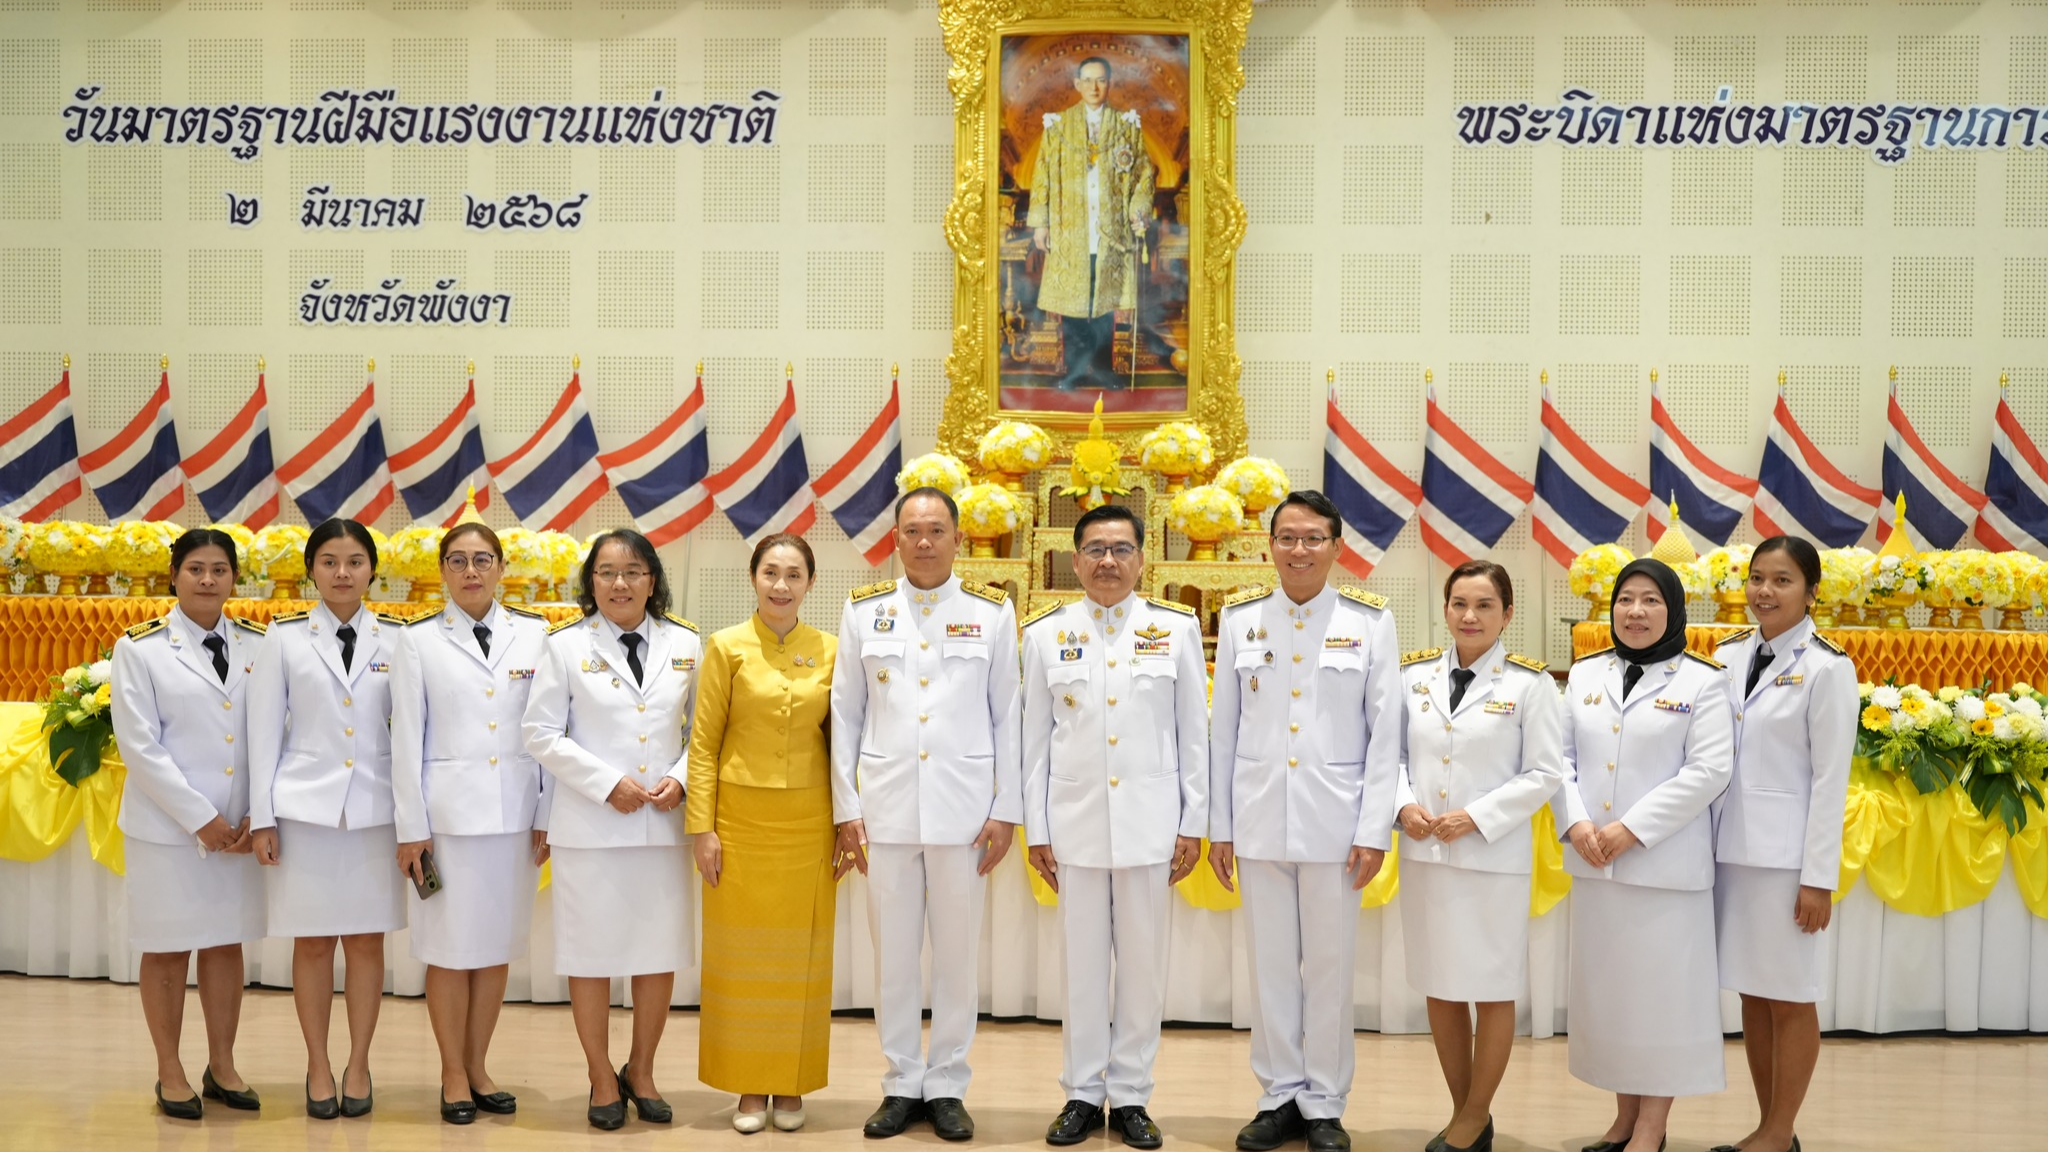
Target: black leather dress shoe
pixel 1483 1144
pixel 459 1112
pixel 1327 1134
pixel 607 1117
pixel 187 1109
pixel 1074 1123
pixel 354 1106
pixel 949 1118
pixel 1135 1126
pixel 244 1100
pixel 895 1114
pixel 496 1103
pixel 652 1109
pixel 1272 1128
pixel 326 1109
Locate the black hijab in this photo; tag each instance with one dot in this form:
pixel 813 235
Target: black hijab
pixel 1673 641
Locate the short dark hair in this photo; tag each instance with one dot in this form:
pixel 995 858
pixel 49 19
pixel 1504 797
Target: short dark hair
pixel 779 540
pixel 1107 71
pixel 1804 556
pixel 335 528
pixel 643 551
pixel 472 528
pixel 1488 569
pixel 193 539
pixel 1315 502
pixel 939 494
pixel 1107 513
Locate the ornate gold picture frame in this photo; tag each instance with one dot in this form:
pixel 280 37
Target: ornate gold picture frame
pixel 1151 308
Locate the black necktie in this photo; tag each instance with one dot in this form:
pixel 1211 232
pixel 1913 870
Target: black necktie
pixel 219 648
pixel 347 636
pixel 483 639
pixel 1757 664
pixel 1461 679
pixel 1629 676
pixel 632 641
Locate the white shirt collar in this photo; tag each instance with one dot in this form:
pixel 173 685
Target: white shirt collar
pixel 1791 638
pixel 493 616
pixel 615 631
pixel 193 631
pixel 322 614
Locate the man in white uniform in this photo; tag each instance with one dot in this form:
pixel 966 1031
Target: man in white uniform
pixel 925 793
pixel 1304 760
pixel 1116 754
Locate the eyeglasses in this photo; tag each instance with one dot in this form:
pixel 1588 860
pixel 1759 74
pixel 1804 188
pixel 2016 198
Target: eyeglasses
pixel 1120 551
pixel 1309 542
pixel 478 562
pixel 615 575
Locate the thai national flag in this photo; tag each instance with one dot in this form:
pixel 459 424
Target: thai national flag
pixel 1469 498
pixel 436 471
pixel 554 477
pixel 860 490
pixel 1375 497
pixel 2015 511
pixel 1799 493
pixel 661 475
pixel 1939 507
pixel 136 475
pixel 232 474
pixel 343 472
pixel 1710 498
pixel 39 456
pixel 768 489
pixel 1582 499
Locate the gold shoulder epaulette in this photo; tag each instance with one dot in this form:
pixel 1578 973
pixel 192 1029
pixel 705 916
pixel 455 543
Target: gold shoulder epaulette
pixel 515 609
pixel 423 617
pixel 1709 661
pixel 988 592
pixel 396 620
pixel 558 625
pixel 256 626
pixel 679 622
pixel 1419 655
pixel 870 591
pixel 1529 662
pixel 1170 605
pixel 1593 653
pixel 1369 599
pixel 289 617
pixel 1828 644
pixel 1247 596
pixel 1732 637
pixel 1042 611
pixel 138 631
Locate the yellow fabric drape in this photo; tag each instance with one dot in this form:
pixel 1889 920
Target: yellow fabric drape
pixel 1926 656
pixel 2028 852
pixel 39 811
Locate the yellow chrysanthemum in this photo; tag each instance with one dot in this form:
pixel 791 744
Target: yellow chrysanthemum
pixel 102 698
pixel 1993 708
pixel 1913 706
pixel 1876 718
pixel 1984 727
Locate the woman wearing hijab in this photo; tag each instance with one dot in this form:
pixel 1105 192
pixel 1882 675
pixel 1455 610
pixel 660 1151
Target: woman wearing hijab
pixel 1648 747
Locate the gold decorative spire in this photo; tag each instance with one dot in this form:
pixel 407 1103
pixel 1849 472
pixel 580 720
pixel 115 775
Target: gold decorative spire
pixel 67 364
pixel 469 512
pixel 576 362
pixel 372 363
pixel 472 366
pixel 1674 547
pixel 163 363
pixel 1899 544
pixel 262 363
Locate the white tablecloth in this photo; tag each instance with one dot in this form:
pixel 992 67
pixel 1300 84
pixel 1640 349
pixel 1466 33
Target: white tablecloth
pixel 1985 967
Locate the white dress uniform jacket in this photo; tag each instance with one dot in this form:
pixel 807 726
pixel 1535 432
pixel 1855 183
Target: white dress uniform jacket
pixel 462 767
pixel 589 725
pixel 319 734
pixel 1794 736
pixel 180 727
pixel 1116 732
pixel 1498 756
pixel 924 712
pixel 1655 762
pixel 1304 759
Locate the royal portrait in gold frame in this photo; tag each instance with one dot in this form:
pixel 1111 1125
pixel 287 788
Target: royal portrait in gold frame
pixel 1143 317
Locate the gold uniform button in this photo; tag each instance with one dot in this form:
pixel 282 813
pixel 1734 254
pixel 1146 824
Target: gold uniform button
pixel 348 731
pixel 1112 701
pixel 1112 739
pixel 347 701
pixel 490 691
pixel 1609 805
pixel 1443 792
pixel 1617 727
pixel 1610 765
pixel 1112 661
pixel 1298 625
pixel 230 772
pixel 924 718
pixel 494 725
pixel 924 681
pixel 1447 759
pixel 231 739
pixel 1110 630
pixel 643 739
pixel 1294 727
pixel 1447 727
pixel 494 759
pixel 1297 657
pixel 1112 781
pixel 1296 691
pixel 1291 762
pixel 1738 715
pixel 924 755
pixel 349 763
pixel 226 704
pixel 641 707
pixel 924 643
pixel 643 768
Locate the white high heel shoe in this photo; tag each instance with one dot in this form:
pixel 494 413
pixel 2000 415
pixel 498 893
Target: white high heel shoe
pixel 788 1121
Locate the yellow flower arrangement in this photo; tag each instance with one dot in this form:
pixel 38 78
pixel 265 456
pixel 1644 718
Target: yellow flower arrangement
pixel 244 541
pixel 1727 568
pixel 1841 576
pixel 1975 579
pixel 2023 567
pixel 933 470
pixel 416 552
pixel 1176 450
pixel 1256 481
pixel 1096 473
pixel 986 512
pixel 68 548
pixel 141 549
pixel 76 724
pixel 524 559
pixel 1014 448
pixel 1897 575
pixel 564 555
pixel 13 544
pixel 279 552
pixel 1205 515
pixel 1593 571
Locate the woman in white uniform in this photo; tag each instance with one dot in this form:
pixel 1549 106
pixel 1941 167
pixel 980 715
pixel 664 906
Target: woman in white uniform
pixel 1648 747
pixel 1778 841
pixel 1482 752
pixel 609 719
pixel 178 688
pixel 320 803
pixel 466 792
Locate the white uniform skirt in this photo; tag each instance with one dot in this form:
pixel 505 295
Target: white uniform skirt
pixel 484 912
pixel 335 881
pixel 1465 932
pixel 620 911
pixel 1763 952
pixel 1645 990
pixel 179 902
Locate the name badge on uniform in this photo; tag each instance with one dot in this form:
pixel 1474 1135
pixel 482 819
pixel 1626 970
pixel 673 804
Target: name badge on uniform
pixel 683 663
pixel 1501 707
pixel 885 624
pixel 596 666
pixel 963 631
pixel 519 674
pixel 1068 655
pixel 380 666
pixel 1341 642
pixel 1791 678
pixel 1678 706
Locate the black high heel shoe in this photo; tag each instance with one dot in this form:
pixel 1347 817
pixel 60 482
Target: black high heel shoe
pixel 460 1112
pixel 190 1109
pixel 326 1109
pixel 1483 1144
pixel 244 1100
pixel 652 1109
pixel 607 1117
pixel 353 1106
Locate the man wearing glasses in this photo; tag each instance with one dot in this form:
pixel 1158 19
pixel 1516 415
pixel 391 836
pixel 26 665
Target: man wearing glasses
pixel 1303 759
pixel 1116 736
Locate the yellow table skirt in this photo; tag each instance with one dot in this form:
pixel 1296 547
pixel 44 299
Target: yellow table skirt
pixel 1929 657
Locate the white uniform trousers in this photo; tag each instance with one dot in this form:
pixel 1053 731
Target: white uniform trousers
pixel 1115 921
pixel 912 887
pixel 1302 933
